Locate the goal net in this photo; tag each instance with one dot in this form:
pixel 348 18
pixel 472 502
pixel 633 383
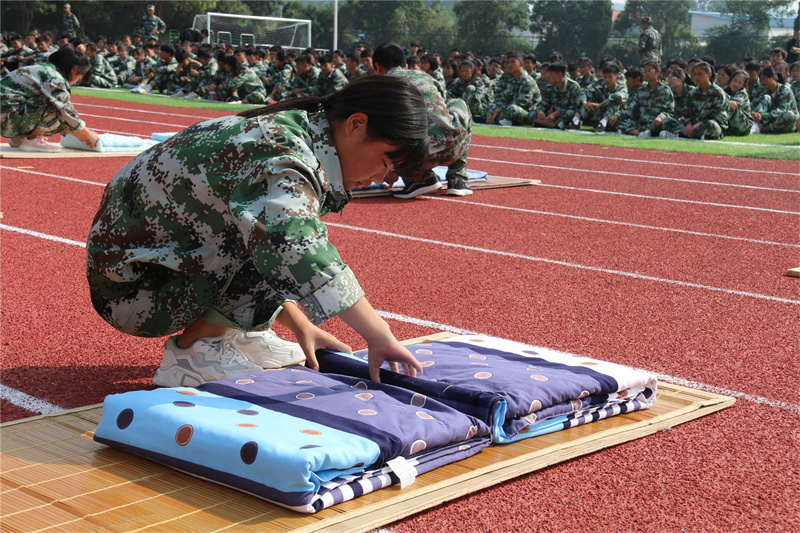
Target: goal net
pixel 241 30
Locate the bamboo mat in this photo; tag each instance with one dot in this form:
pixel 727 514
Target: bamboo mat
pixel 6 152
pixel 494 182
pixel 54 477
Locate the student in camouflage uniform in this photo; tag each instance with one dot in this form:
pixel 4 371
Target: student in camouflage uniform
pixel 16 56
pixel 600 101
pixel 653 103
pixel 283 75
pixel 450 128
pixel 330 78
pixel 243 84
pixel 178 82
pixel 69 22
pixel 706 110
pixel 559 101
pixel 586 76
pixel 43 50
pixel 162 75
pixel 152 26
pixel 516 98
pixel 740 121
pixel 776 111
pixel 216 232
pixel 305 78
pixel 198 87
pixel 649 46
pixel 794 81
pixel 126 65
pixel 35 102
pixel 430 65
pixel 676 79
pixel 476 92
pixel 102 74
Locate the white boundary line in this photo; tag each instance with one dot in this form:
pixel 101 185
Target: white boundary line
pixel 28 402
pixel 601 221
pixel 644 176
pixel 144 111
pixel 566 264
pixel 615 159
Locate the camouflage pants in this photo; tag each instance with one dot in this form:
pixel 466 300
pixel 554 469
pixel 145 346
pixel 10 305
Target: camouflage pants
pixel 165 301
pixel 783 123
pixel 21 118
pixel 454 143
pixel 517 115
pixel 476 101
pixel 642 124
pixel 102 82
pixel 593 118
pixel 256 97
pixel 710 129
pixel 739 124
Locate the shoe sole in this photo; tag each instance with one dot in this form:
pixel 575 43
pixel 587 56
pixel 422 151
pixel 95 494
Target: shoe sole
pixel 41 150
pixel 458 192
pixel 417 192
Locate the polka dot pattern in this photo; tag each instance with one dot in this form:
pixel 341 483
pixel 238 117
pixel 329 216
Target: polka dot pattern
pixel 539 377
pixel 364 396
pixel 184 435
pixel 305 396
pixel 247 412
pixel 418 400
pixel 244 381
pixel 418 446
pixel 483 375
pixel 183 404
pixel 367 412
pixel 423 352
pixel 125 418
pixel 249 452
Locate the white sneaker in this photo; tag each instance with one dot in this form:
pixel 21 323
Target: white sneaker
pixel 645 133
pixel 265 349
pixel 192 96
pixel 561 125
pixel 37 144
pixel 14 142
pixel 179 94
pixel 505 122
pixel 756 128
pixel 668 135
pixel 138 89
pixel 208 359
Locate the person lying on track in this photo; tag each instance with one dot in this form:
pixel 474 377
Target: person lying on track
pixel 216 232
pixel 36 102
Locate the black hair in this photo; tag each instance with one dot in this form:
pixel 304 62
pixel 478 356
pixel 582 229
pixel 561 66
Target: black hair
pixel 250 52
pixel 168 48
pixel 389 55
pixel 240 50
pixel 392 105
pixel 92 47
pixel 303 58
pixel 432 61
pixel 181 54
pixel 557 67
pixel 555 57
pixel 780 51
pixel 42 39
pixel 234 63
pixel 634 73
pixel 769 72
pixel 611 68
pixel 14 37
pixel 67 57
pixel 677 61
pixel 572 66
pixel 649 63
pixel 325 58
pixel 280 55
pixel 203 53
pixel 585 61
pixel 710 60
pixel 338 52
pixel 516 54
pixel 453 66
pixel 366 52
pixel 467 63
pixel 411 60
pixel 753 65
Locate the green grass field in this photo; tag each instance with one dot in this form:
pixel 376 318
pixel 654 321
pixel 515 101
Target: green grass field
pixel 784 147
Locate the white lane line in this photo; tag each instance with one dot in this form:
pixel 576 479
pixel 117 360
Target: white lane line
pixel 182 126
pixel 663 377
pixel 40 406
pixel 602 221
pixel 127 109
pixel 519 209
pixel 644 176
pixel 28 402
pixel 647 161
pixel 566 264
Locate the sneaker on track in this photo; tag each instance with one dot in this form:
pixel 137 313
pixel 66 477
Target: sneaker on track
pixel 208 359
pixel 668 135
pixel 599 129
pixel 412 190
pixel 505 122
pixel 265 348
pixel 458 187
pixel 191 96
pixel 14 142
pixel 37 144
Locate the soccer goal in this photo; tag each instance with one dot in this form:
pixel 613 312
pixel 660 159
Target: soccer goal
pixel 241 30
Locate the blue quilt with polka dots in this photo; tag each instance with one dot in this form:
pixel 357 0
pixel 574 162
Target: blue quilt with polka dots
pixel 295 437
pixel 520 391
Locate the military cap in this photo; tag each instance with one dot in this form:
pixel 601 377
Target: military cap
pixel 645 20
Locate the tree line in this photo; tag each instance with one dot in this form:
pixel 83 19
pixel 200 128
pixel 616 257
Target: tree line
pixel 574 28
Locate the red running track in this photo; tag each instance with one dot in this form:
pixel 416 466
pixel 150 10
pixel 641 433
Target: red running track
pixel 600 260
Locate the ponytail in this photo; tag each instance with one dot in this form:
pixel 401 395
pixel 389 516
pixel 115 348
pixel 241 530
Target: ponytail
pixel 395 111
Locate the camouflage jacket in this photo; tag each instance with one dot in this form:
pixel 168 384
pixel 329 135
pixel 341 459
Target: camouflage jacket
pixel 102 72
pixel 438 76
pixel 587 81
pixel 70 24
pixel 245 82
pixel 522 92
pixel 151 25
pixel 711 105
pixel 456 88
pixel 327 85
pixel 125 69
pixel 282 77
pixel 650 44
pixel 649 103
pixel 41 57
pixel 35 81
pixel 477 95
pixel 680 101
pixel 225 192
pixel 756 91
pixel 598 93
pixel 208 72
pixel 12 58
pixel 166 72
pixel 782 101
pixel 795 86
pixel 741 115
pixel 564 101
pixel 307 81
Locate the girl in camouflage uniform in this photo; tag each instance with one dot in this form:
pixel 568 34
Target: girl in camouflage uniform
pixel 706 109
pixel 35 102
pixel 217 231
pixel 740 120
pixel 776 111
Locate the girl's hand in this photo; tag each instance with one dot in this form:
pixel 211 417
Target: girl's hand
pixel 395 354
pixel 87 137
pixel 734 104
pixel 312 338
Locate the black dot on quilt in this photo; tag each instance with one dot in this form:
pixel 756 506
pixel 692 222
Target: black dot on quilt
pixel 308 446
pixel 183 404
pixel 249 452
pixel 125 418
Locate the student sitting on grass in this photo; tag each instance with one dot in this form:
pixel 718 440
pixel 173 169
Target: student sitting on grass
pixel 740 120
pixel 159 76
pixel 598 102
pixel 559 100
pixel 653 103
pixel 35 102
pixel 706 111
pixel 216 232
pixel 776 110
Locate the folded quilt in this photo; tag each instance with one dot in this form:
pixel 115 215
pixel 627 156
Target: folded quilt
pixel 109 142
pixel 295 437
pixel 520 391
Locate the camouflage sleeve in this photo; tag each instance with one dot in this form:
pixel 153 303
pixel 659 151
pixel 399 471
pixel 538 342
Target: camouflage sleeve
pixel 55 90
pixel 276 211
pixel 782 101
pixel 528 96
pixel 716 108
pixel 162 26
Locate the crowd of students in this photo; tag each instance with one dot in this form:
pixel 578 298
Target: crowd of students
pixel 674 98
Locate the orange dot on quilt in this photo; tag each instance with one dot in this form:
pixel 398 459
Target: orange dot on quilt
pixel 364 396
pixel 535 406
pixel 473 430
pixel 304 396
pixel 427 363
pixel 418 446
pixel 187 392
pixel 480 364
pixel 310 432
pixel 367 412
pixel 360 385
pixel 477 340
pixel 477 356
pixel 247 425
pixel 184 435
pixel 244 381
pixel 423 352
pixel 483 375
pixel 424 416
pixel 538 377
pixel 248 412
pixel 303 382
pixel 418 400
pixel 589 363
